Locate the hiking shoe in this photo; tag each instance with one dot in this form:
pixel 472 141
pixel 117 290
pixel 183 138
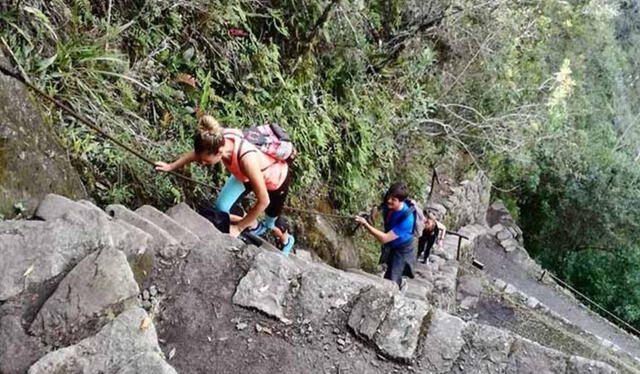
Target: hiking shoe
pixel 286 248
pixel 259 230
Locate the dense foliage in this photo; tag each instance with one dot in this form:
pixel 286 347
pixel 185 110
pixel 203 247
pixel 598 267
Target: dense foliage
pixel 541 95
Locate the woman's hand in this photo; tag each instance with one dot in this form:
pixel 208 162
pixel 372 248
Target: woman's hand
pixel 163 166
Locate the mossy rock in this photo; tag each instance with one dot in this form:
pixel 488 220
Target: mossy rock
pixel 32 162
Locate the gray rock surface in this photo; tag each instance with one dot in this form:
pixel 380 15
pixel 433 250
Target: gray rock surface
pixel 112 349
pixel 442 343
pixel 504 235
pixel 181 233
pixel 133 241
pixel 417 290
pixel 128 238
pixel 32 162
pixel 266 285
pixel 163 243
pixel 194 222
pixel 147 362
pixel 323 289
pixel 35 252
pixel 369 312
pixel 55 206
pixel 17 350
pixel 337 321
pixel 468 202
pixel 468 291
pixel 583 365
pixel 497 213
pixel 486 350
pixel 334 247
pixel 399 333
pixel 528 357
pixel 101 280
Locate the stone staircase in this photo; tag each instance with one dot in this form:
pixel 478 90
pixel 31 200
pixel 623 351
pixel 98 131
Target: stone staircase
pixel 72 287
pixel 510 294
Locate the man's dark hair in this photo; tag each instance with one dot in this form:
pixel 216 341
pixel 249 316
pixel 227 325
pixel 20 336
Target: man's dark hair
pixel 397 190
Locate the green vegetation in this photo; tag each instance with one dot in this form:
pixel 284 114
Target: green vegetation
pixel 541 95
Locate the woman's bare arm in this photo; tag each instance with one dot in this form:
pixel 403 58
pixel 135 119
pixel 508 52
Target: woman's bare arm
pixel 442 232
pixel 180 162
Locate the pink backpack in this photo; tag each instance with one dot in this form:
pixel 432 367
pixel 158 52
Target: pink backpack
pixel 272 140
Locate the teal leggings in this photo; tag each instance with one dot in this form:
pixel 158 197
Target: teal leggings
pixel 232 191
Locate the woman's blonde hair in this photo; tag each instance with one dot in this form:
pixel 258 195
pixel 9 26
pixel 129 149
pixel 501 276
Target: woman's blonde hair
pixel 208 137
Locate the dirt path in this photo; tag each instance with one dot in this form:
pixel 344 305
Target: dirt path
pixel 500 265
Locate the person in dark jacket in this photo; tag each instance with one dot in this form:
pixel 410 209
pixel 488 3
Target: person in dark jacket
pixel 397 237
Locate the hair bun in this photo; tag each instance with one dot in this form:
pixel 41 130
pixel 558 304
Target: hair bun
pixel 208 124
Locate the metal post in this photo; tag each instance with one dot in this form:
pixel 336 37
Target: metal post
pixel 459 244
pixel 542 276
pixel 434 180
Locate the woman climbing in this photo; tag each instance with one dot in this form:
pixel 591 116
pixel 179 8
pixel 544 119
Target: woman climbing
pixel 251 170
pixel 434 233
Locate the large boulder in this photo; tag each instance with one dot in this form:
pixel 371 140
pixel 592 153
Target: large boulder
pixel 369 312
pixel 323 289
pixel 101 281
pixel 35 252
pixel 399 333
pixel 114 348
pixel 442 343
pixel 486 350
pixel 17 350
pixel 267 284
pixel 32 162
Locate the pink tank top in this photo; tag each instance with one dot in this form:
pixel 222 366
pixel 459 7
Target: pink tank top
pixel 274 171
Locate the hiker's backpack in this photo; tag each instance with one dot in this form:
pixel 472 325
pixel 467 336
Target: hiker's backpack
pixel 419 219
pixel 272 140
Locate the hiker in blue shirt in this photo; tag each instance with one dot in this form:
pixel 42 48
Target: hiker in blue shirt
pixel 397 237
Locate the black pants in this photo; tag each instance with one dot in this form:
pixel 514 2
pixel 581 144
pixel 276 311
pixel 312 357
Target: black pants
pixel 277 198
pixel 425 243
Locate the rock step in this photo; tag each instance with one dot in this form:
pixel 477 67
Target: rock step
pixel 454 346
pixel 194 222
pixel 162 242
pixel 101 280
pixel 175 229
pixel 55 206
pixel 127 238
pixel 128 342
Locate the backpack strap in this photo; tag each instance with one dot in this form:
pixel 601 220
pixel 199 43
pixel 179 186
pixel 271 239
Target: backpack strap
pixel 242 154
pixel 400 218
